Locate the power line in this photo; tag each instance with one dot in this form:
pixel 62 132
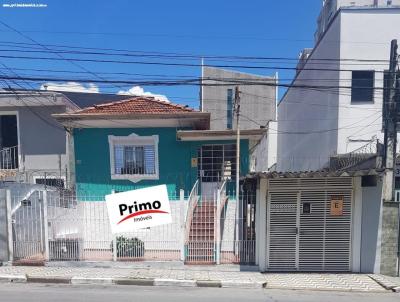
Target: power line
pixel 192 57
pixel 194 36
pixel 19 97
pixel 189 82
pixel 350 126
pixel 43 46
pixel 171 75
pixel 175 64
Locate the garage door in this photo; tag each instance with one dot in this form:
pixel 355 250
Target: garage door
pixel 309 230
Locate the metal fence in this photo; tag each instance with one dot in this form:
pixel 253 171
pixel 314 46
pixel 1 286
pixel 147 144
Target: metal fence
pixel 9 158
pixel 54 226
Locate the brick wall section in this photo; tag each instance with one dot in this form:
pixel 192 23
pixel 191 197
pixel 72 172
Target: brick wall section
pixel 389 248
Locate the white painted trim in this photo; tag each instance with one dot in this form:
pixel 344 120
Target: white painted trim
pixel 134 140
pixel 16 113
pixel 356 226
pixel 110 122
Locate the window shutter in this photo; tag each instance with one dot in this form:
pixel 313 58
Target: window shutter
pixel 118 158
pixel 149 160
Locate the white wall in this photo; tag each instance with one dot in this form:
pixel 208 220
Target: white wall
pixel 354 34
pixel 264 154
pixel 365 35
pixel 304 114
pixel 330 7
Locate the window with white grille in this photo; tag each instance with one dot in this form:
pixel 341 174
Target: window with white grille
pixel 134 157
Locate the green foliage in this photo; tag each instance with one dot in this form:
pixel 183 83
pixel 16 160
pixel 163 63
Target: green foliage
pixel 129 247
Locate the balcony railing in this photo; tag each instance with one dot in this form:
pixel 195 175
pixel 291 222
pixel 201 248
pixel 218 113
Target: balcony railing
pixel 9 158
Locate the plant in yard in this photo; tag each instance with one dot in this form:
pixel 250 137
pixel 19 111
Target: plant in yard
pixel 129 247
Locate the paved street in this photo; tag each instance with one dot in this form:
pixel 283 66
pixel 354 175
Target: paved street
pixel 67 293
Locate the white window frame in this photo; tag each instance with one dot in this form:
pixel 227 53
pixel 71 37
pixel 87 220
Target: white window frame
pixel 133 140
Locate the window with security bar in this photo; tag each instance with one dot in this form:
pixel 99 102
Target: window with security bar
pixel 134 157
pixel 217 162
pixel 134 160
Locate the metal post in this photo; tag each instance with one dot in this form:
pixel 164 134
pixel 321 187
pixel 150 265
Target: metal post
pixel 218 228
pixel 9 227
pixel 182 223
pixel 45 226
pixel 114 241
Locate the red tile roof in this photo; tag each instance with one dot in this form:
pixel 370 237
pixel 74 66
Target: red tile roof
pixel 138 105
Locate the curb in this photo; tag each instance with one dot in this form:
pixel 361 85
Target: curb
pixel 208 283
pixel 243 284
pixel 318 289
pixel 79 280
pixel 13 278
pixel 175 282
pixel 91 280
pixel 52 279
pixel 132 281
pixel 386 284
pixel 396 289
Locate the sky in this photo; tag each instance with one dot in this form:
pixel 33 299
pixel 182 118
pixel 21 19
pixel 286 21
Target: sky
pixel 209 27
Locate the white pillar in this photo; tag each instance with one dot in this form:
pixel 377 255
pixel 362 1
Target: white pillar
pixel 114 240
pixel 218 229
pixel 9 227
pixel 45 226
pixel 182 224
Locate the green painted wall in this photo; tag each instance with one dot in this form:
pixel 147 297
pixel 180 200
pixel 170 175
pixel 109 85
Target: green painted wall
pixel 92 161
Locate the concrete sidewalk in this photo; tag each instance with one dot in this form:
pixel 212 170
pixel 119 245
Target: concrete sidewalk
pixel 198 276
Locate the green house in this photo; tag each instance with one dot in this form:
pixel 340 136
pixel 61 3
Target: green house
pixel 142 142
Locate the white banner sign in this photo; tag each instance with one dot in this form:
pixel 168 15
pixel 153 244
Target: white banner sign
pixel 138 209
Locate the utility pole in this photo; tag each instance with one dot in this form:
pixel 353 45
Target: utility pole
pixel 390 122
pixel 237 112
pixel 390 209
pixel 238 204
pixel 201 85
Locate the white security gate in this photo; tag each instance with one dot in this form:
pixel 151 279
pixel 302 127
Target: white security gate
pixel 305 232
pixel 28 227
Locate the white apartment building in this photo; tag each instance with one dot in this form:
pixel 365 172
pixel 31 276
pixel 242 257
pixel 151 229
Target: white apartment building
pixel 330 7
pixel 317 123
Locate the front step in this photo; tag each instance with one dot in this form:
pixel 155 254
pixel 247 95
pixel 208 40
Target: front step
pixel 201 246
